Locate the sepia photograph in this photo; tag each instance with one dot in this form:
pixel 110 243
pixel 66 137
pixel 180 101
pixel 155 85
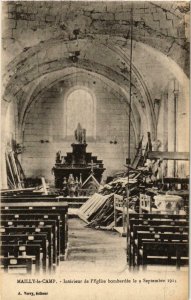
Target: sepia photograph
pixel 94 150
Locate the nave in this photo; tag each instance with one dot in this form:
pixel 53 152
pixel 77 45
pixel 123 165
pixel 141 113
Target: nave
pixel 94 116
pixel 93 250
pixel 39 234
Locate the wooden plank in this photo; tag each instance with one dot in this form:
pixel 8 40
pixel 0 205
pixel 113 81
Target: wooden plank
pixel 92 205
pixel 88 203
pixel 10 169
pixel 44 186
pixel 96 203
pixel 15 169
pixel 17 190
pixel 168 155
pixel 36 204
pixel 95 207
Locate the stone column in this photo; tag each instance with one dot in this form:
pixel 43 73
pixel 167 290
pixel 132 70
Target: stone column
pixel 165 122
pixel 172 125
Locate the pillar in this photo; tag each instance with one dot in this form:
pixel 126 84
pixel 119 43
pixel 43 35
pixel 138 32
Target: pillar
pixel 172 125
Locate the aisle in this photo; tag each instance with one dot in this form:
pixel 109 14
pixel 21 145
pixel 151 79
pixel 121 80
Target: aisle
pixel 95 250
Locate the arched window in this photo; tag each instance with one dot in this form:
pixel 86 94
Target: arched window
pixel 79 107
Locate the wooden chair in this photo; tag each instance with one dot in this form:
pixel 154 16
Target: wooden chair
pixel 118 208
pixel 145 203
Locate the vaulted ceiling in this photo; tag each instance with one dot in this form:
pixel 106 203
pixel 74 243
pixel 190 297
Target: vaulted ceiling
pixel 46 43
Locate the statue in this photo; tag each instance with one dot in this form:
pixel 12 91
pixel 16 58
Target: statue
pixel 65 188
pixel 58 157
pixel 71 185
pixel 80 134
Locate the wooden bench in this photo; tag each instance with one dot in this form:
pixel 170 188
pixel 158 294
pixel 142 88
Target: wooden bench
pixel 157 237
pixel 24 215
pixel 41 215
pixel 18 263
pixel 37 226
pixel 16 251
pixel 47 230
pixel 158 222
pixel 39 220
pixel 167 252
pixel 34 239
pixel 49 207
pixel 158 216
pixel 152 229
pixel 31 198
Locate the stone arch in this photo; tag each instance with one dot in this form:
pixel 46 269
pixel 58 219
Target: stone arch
pixel 122 94
pixel 22 79
pixel 100 70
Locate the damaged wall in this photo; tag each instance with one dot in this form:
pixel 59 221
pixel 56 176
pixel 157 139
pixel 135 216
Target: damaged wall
pixel 46 42
pixel 45 122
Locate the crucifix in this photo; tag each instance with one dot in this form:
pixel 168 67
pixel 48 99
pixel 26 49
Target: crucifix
pixel 92 167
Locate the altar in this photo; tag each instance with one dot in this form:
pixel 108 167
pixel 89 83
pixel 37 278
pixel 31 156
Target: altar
pixel 78 165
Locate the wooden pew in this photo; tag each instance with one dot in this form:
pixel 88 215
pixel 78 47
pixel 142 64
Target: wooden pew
pixel 24 215
pixel 152 249
pixel 157 220
pixel 34 239
pixel 17 263
pixel 47 230
pixel 37 225
pixel 39 211
pixel 56 207
pixel 40 218
pixel 30 199
pixel 157 237
pixel 22 250
pixel 152 229
pixel 158 216
pixel 41 215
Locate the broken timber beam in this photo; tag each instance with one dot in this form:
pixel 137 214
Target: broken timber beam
pixel 168 155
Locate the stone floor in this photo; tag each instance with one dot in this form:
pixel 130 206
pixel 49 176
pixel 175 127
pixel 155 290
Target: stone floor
pixel 99 252
pixel 89 249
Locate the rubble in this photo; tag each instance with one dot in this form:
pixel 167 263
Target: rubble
pixel 130 183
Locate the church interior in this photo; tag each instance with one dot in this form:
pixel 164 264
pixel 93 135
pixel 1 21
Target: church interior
pixel 94 136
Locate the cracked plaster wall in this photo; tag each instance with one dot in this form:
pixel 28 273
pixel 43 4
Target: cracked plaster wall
pixel 39 35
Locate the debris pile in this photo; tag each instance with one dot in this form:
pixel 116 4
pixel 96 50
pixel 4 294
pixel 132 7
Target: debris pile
pixel 98 211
